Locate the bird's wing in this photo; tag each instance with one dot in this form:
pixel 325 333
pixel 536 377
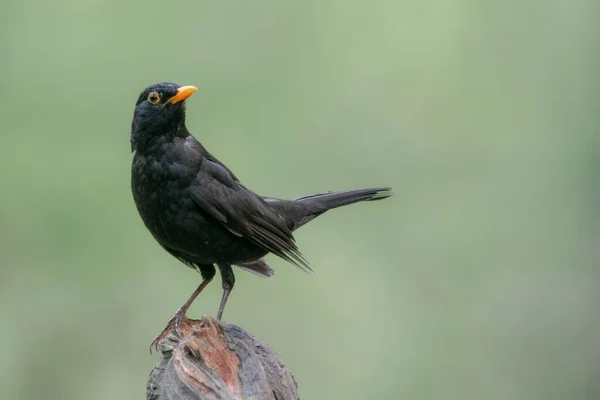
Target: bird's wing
pixel 243 212
pixel 212 158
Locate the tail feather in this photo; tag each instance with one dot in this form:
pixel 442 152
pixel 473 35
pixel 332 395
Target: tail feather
pixel 340 198
pixel 301 210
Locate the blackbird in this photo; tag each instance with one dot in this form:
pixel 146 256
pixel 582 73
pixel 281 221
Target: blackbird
pixel 198 210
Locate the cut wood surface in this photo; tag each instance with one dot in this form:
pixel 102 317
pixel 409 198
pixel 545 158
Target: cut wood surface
pixel 218 361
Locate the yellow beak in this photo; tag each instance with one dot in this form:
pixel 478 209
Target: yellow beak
pixel 182 93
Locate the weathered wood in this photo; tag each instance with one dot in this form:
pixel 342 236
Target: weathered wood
pixel 218 361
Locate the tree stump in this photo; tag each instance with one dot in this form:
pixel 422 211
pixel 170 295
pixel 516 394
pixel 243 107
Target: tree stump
pixel 218 361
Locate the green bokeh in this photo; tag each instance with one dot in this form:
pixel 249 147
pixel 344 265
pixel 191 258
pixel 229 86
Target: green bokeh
pixel 479 280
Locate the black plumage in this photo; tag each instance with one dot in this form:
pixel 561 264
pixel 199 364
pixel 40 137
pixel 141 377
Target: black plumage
pixel 198 210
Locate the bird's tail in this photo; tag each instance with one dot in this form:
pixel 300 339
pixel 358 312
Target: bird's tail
pixel 344 197
pixel 304 209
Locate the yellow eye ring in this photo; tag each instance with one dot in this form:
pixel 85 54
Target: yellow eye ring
pixel 153 98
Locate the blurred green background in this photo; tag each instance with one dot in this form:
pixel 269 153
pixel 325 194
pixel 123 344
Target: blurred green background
pixel 479 280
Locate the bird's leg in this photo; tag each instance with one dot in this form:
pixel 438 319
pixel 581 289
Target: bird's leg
pixel 179 315
pixel 228 281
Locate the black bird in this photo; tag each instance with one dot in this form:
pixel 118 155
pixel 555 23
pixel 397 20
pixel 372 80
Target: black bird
pixel 198 210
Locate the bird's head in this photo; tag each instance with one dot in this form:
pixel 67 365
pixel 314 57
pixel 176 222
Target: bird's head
pixel 159 111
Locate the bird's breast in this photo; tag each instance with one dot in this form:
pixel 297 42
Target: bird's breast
pixel 160 188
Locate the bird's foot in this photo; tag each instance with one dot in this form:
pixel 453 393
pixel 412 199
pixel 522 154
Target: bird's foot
pixel 175 323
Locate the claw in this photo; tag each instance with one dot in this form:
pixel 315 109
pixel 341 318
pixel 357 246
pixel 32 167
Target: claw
pixel 173 324
pixel 179 316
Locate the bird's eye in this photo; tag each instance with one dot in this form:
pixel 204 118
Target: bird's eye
pixel 153 98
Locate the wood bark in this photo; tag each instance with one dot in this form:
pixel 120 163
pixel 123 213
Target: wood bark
pixel 218 361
